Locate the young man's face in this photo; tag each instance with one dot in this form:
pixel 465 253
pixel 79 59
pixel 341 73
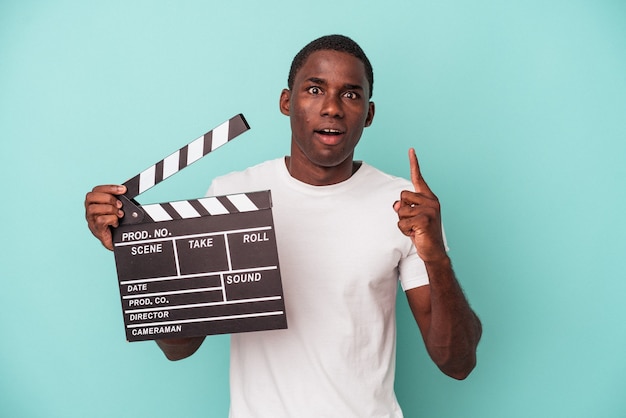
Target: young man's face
pixel 328 108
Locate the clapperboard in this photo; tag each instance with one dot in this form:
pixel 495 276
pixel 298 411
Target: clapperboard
pixel 197 267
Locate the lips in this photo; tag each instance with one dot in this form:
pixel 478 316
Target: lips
pixel 330 136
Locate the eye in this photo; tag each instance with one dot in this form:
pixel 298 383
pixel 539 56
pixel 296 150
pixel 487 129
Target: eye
pixel 351 95
pixel 314 90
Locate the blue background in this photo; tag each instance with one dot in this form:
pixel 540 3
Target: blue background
pixel 517 110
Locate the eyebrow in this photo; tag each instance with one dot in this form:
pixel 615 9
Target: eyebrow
pixel 321 81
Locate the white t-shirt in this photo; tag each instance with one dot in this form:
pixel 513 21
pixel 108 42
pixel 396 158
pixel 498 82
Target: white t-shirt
pixel 341 255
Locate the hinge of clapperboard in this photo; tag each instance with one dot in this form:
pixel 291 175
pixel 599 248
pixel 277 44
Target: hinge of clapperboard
pixel 172 164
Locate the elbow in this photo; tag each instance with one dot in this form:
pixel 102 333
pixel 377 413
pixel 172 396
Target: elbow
pixel 175 356
pixel 453 348
pixel 455 360
pixel 459 371
pixel 459 360
pixel 457 365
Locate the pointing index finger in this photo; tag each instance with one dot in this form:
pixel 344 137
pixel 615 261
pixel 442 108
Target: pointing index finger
pixel 416 175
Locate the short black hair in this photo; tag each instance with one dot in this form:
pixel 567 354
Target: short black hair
pixel 339 43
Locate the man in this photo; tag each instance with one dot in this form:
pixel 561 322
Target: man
pixel 345 233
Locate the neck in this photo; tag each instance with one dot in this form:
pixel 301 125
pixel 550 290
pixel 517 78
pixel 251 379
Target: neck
pixel 321 176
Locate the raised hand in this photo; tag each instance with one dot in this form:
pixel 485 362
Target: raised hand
pixel 420 216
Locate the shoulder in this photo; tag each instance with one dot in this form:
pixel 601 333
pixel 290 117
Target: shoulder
pixel 380 180
pixel 255 177
pixel 265 166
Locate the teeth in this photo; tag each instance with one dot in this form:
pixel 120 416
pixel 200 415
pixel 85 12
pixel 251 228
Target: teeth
pixel 331 131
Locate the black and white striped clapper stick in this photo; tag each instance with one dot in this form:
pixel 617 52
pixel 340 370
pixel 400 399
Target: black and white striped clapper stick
pixel 185 156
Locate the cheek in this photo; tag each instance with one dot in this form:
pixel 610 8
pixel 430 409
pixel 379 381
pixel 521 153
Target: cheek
pixel 300 116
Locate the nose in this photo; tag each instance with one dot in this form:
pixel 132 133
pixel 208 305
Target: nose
pixel 332 106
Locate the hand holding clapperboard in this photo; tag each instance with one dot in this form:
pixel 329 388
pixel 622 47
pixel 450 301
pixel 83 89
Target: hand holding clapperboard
pixel 197 267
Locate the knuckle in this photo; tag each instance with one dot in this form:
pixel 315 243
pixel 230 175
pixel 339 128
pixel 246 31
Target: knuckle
pixel 89 197
pixel 101 222
pixel 404 227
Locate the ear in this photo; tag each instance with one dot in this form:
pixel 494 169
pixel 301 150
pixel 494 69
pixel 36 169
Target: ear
pixel 285 100
pixel 370 114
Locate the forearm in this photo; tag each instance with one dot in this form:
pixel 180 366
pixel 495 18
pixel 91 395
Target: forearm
pixel 179 348
pixel 454 330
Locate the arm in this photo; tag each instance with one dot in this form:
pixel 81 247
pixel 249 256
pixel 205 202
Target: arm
pixel 449 327
pixel 103 212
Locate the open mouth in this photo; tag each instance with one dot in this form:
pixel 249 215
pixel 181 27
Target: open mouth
pixel 330 136
pixel 328 131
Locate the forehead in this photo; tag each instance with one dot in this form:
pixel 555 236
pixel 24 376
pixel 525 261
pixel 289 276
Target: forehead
pixel 330 64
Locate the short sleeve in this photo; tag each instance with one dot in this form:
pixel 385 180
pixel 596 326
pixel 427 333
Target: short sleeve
pixel 412 270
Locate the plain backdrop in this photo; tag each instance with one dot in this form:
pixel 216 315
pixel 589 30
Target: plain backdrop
pixel 517 110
